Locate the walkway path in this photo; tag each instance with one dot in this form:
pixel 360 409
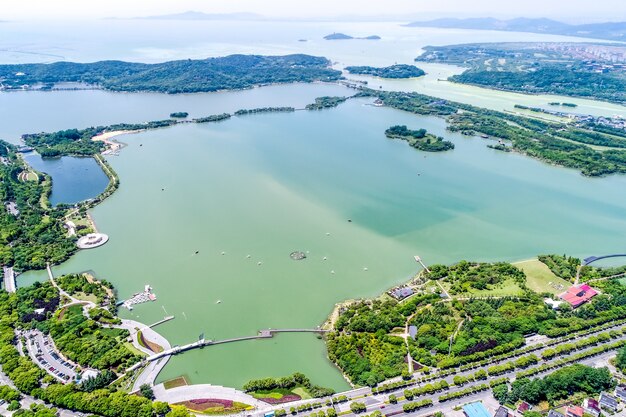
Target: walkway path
pixel 9 279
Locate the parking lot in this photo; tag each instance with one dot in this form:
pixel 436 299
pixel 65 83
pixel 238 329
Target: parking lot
pixel 43 352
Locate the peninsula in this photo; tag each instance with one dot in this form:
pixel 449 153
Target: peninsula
pixel 188 76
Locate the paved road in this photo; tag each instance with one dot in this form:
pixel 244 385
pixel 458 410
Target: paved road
pixel 376 402
pixel 9 279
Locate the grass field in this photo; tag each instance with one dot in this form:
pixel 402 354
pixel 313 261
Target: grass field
pixel 508 287
pixel 181 381
pixel 540 279
pixel 133 349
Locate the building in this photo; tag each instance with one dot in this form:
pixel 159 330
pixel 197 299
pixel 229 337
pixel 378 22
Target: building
pixel 620 392
pixel 402 293
pixel 578 295
pixel 608 401
pixel 574 411
pixel 553 413
pixel 523 407
pixel 476 409
pixel 413 332
pixel 502 412
pixel 592 406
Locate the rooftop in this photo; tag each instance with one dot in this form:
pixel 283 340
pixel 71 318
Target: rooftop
pixel 476 409
pixel 402 292
pixel 578 295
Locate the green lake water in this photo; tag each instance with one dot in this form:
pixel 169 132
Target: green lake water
pixel 266 185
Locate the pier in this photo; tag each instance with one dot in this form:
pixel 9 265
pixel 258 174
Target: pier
pixel 139 298
pixel 418 259
pixel 262 334
pixel 10 284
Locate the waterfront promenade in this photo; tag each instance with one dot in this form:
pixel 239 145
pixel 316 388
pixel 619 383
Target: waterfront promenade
pixel 10 284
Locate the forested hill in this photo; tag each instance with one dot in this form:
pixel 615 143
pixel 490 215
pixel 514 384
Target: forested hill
pixel 185 76
pixel 607 30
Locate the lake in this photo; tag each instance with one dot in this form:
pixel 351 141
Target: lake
pixel 246 192
pixel 73 179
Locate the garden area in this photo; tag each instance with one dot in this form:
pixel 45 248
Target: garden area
pixel 213 406
pixel 286 389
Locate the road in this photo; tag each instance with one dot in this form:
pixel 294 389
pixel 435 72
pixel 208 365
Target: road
pixel 377 402
pixel 9 279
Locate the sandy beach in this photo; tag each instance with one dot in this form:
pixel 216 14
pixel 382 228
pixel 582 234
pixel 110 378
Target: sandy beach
pixel 112 145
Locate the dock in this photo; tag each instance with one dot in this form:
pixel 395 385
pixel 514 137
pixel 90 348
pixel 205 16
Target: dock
pixel 419 260
pixel 139 298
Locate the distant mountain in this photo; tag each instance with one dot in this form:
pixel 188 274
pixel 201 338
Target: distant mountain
pixel 343 36
pixel 609 30
pixel 192 15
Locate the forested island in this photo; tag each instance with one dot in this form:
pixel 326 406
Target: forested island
pixel 326 102
pixel 393 71
pixel 343 36
pixel 185 76
pixel 243 112
pixel 555 142
pixel 539 68
pixel 469 314
pixel 419 139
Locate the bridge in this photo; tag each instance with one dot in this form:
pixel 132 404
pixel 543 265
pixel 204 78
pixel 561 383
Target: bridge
pixel 591 259
pixel 262 334
pixel 10 284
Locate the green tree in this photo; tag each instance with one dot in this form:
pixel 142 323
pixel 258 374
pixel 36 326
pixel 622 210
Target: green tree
pixel 146 391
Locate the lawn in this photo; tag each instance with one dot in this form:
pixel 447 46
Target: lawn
pixel 508 287
pixel 133 349
pixel 281 395
pixel 540 279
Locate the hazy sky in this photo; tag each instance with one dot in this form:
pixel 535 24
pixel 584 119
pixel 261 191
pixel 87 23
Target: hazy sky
pixel 579 10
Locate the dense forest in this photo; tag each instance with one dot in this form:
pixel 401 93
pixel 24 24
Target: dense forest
pixel 326 102
pixel 545 140
pixel 184 76
pixel 366 343
pixel 34 234
pixel 540 68
pixel 419 139
pixel 393 71
pixel 558 385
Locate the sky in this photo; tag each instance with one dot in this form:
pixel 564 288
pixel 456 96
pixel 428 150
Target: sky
pixel 566 10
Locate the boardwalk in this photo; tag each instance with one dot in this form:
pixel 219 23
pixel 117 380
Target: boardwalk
pixel 592 259
pixel 262 334
pixel 9 279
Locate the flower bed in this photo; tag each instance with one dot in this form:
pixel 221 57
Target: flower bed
pixel 284 399
pixel 214 406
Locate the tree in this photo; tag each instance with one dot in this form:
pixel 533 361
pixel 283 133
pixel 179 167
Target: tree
pixel 620 360
pixel 13 405
pixel 357 407
pixel 146 391
pixel 501 393
pixel 178 411
pixel 393 399
pixel 160 408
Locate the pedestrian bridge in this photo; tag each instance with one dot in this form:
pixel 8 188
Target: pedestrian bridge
pixel 262 334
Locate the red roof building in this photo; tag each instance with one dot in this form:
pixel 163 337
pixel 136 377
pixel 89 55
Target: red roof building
pixel 574 411
pixel 578 295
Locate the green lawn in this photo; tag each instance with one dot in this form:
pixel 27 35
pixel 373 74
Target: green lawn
pixel 540 279
pixel 508 287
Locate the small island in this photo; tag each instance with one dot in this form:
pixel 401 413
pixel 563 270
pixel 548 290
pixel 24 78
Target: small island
pixel 393 71
pixel 179 115
pixel 342 36
pixel 325 102
pixel 419 139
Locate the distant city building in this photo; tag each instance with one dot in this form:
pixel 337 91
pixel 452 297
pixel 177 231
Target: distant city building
pixel 592 406
pixel 578 295
pixel 476 409
pixel 608 401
